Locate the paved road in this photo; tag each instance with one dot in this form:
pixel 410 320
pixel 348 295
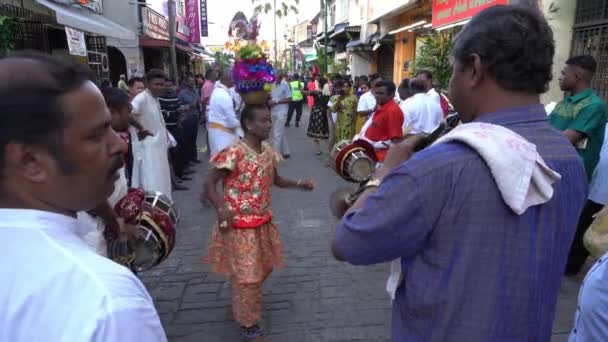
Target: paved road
pixel 315 298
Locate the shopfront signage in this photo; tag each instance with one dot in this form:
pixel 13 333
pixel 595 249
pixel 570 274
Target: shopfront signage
pixel 193 21
pixel 155 25
pixel 204 23
pixel 447 12
pixel 76 42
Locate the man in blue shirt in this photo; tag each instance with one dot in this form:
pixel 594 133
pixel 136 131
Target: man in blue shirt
pixel 473 270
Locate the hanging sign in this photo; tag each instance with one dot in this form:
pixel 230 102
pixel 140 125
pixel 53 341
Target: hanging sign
pixel 193 21
pixel 76 43
pixel 204 23
pixel 447 12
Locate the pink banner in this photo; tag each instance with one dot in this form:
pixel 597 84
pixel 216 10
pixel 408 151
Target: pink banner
pixel 192 21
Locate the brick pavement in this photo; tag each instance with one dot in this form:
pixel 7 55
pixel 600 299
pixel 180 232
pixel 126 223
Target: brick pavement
pixel 314 298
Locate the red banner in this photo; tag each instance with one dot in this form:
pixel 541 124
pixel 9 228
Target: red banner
pixel 451 11
pixel 192 20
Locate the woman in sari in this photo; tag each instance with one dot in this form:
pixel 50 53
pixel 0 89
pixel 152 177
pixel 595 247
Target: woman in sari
pixel 318 127
pixel 345 104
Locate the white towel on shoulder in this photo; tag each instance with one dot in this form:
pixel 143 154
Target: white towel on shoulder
pixel 523 178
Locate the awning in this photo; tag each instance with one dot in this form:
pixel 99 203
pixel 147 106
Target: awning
pixel 353 43
pixel 85 20
pixel 346 29
pixel 160 43
pixel 377 37
pixel 403 7
pixel 311 58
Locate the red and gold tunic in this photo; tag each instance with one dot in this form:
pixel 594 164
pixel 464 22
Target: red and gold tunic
pixel 248 187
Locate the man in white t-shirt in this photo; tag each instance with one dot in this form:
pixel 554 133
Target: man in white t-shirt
pixel 60 156
pixel 422 114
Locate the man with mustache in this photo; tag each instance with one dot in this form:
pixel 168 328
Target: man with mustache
pixel 59 155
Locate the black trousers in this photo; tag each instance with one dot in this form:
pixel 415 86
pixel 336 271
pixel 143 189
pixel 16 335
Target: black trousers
pixel 297 106
pixel 190 127
pixel 178 156
pixel 578 253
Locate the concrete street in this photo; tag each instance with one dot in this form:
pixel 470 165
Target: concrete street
pixel 314 299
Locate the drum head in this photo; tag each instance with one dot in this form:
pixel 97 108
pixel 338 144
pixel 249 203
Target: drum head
pixel 361 168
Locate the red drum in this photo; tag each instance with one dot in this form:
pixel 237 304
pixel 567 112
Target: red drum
pixel 155 218
pixel 354 161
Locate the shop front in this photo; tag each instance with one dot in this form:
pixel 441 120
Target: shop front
pixel 78 32
pixel 155 44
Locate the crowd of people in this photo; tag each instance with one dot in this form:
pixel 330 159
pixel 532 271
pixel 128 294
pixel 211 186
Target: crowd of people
pixel 479 228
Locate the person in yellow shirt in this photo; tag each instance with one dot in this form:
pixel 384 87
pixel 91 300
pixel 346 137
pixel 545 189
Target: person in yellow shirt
pixel 297 100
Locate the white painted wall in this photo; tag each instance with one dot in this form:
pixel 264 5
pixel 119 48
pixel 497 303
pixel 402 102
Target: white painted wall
pixel 561 23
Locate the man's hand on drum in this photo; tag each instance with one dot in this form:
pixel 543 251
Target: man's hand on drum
pixel 225 217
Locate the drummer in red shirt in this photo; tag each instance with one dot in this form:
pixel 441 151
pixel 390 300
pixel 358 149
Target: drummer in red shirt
pixel 385 126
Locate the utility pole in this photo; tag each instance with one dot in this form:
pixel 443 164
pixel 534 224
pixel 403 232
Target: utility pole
pixel 172 51
pixel 324 2
pixel 274 11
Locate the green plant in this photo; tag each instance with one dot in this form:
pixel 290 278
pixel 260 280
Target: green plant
pixel 222 61
pixel 340 67
pixel 434 56
pixel 8 30
pixel 322 60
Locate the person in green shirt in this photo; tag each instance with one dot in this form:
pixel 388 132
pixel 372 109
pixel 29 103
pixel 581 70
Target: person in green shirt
pixel 582 114
pixel 582 118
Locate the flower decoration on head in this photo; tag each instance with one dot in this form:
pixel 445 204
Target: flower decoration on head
pixel 252 71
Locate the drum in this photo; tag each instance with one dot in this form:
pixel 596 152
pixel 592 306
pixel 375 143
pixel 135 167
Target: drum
pixel 354 161
pixel 154 217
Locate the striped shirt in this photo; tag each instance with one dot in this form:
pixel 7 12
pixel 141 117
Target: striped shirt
pixel 473 270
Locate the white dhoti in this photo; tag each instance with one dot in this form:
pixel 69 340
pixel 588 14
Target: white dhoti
pixel 151 170
pixel 219 139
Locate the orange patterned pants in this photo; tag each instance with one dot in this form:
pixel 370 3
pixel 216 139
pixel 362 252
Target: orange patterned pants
pixel 247 256
pixel 246 303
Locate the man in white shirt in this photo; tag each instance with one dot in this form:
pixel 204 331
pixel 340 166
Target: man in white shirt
pixel 222 122
pixel 366 105
pixel 422 114
pixel 280 97
pixel 427 78
pixel 60 156
pixel 151 170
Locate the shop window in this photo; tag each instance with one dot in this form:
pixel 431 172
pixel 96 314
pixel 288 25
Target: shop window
pixel 181 7
pixel 590 37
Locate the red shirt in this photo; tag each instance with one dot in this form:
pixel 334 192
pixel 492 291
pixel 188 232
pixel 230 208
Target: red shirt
pixel 387 124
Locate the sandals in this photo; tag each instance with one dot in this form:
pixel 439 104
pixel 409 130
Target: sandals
pixel 252 332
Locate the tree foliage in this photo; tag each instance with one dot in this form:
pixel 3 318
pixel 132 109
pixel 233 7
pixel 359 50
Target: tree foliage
pixel 434 56
pixel 8 30
pixel 285 7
